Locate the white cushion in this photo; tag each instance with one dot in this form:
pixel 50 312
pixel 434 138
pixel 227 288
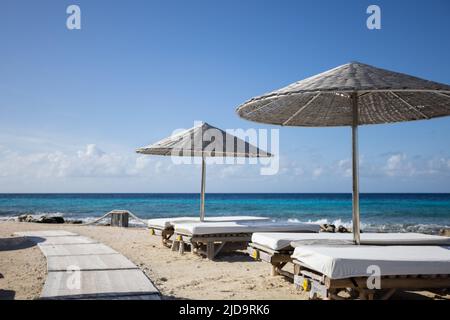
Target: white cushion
pixel 345 261
pixel 204 228
pixel 279 241
pixel 163 223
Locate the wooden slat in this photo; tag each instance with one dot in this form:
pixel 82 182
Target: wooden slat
pixel 89 262
pixel 76 249
pixel 97 284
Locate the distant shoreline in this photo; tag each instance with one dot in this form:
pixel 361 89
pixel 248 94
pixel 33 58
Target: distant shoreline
pixel 220 193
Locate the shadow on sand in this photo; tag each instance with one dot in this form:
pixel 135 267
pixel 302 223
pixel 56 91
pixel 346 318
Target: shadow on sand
pixel 18 243
pixel 7 294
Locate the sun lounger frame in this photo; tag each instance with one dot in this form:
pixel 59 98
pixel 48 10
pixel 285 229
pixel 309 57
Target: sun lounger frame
pixel 277 258
pixel 320 286
pixel 164 233
pixel 210 245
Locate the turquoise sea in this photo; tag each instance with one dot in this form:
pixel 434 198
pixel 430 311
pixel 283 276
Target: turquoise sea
pixel 382 212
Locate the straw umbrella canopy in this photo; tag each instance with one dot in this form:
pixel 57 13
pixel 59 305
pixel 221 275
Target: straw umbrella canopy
pixel 203 141
pixel 353 94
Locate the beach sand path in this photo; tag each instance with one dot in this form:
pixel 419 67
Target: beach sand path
pixel 79 267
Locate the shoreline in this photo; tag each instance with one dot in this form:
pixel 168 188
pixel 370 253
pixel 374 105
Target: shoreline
pixel 400 212
pixel 186 276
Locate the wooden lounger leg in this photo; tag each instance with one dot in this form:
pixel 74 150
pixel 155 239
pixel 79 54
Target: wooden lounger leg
pixel 181 247
pixel 175 245
pixel 276 268
pixel 193 248
pixel 366 294
pixel 273 270
pixel 210 250
pixel 388 294
pixel 165 238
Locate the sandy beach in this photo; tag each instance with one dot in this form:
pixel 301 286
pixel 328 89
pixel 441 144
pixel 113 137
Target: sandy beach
pixel 236 276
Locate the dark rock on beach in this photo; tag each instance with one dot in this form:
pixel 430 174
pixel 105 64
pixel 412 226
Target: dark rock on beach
pixel 343 229
pixel 51 219
pixel 331 228
pixel 26 218
pixel 327 228
pixel 74 221
pixel 41 219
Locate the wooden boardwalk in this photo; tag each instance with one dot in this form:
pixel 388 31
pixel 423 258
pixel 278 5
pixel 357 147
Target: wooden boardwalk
pixel 81 268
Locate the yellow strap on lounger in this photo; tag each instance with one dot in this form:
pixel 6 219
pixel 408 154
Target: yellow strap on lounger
pixel 152 231
pixel 255 254
pixel 179 238
pixel 306 285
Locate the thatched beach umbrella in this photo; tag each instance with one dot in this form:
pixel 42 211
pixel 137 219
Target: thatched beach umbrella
pixel 351 95
pixel 204 141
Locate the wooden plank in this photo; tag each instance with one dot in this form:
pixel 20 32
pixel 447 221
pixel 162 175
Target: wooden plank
pixel 63 240
pixel 408 283
pixel 338 283
pixel 312 275
pixel 76 249
pixel 286 274
pixel 262 248
pixel 97 284
pixel 89 262
pixel 391 283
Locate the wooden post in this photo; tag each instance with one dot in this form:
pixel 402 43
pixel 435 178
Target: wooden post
pixel 202 191
pixel 119 218
pixel 355 169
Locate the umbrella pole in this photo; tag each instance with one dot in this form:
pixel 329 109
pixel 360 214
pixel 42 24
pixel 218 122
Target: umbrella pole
pixel 202 195
pixel 355 170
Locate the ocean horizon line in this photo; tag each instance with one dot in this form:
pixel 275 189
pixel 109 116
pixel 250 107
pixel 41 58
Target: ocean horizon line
pixel 220 193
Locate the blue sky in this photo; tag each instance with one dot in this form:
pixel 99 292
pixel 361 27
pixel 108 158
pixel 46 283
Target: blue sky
pixel 74 104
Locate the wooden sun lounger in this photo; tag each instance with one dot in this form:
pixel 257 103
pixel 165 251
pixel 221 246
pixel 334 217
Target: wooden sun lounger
pixel 321 286
pixel 326 270
pixel 278 253
pixel 277 258
pixel 209 239
pixel 166 230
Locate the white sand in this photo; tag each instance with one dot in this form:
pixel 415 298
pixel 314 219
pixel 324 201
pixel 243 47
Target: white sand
pixel 188 276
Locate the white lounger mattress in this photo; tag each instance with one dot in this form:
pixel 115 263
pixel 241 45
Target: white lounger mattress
pixel 340 262
pixel 279 241
pixel 163 223
pixel 205 228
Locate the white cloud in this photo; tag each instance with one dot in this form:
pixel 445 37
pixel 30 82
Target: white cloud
pixel 394 162
pixel 345 167
pixel 398 165
pixel 317 172
pixel 36 170
pixel 89 162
